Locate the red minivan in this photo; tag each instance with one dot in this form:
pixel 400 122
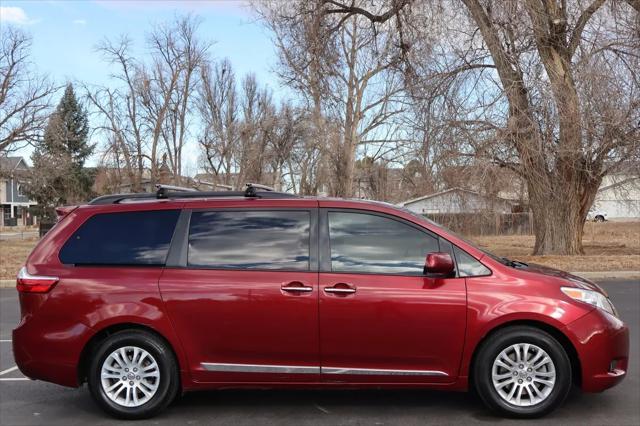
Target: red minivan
pixel 145 296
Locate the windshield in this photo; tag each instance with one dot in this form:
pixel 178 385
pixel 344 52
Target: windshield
pixel 502 260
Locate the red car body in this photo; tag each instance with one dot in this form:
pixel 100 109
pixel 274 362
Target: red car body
pixel 411 324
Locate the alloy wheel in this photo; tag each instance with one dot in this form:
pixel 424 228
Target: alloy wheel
pixel 523 374
pixel 130 376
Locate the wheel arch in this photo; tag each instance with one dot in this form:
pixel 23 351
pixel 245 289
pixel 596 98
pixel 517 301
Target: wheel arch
pixel 104 333
pixel 565 342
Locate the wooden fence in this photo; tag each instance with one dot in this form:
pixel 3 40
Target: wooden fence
pixel 486 223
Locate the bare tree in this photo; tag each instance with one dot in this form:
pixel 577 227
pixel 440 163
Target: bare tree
pixel 147 114
pixel 545 59
pixel 344 68
pixel 24 96
pixel 218 111
pixel 120 107
pixel 245 137
pixel 257 107
pixel 562 166
pixel 288 128
pixel 167 96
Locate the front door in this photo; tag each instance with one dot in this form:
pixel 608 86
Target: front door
pixel 244 302
pixel 381 319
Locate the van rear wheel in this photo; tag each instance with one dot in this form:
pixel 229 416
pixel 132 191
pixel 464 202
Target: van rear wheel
pixel 133 375
pixel 522 372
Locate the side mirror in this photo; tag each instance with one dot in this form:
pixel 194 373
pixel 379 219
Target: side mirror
pixel 439 265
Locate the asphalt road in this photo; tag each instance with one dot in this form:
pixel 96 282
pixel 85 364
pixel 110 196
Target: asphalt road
pixel 25 402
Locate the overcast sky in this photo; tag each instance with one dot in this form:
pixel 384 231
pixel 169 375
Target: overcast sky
pixel 65 33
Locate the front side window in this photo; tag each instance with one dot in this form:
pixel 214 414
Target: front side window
pixel 276 240
pixel 469 266
pixel 368 243
pixel 127 238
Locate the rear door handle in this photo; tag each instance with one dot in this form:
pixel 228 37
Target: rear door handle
pixel 296 287
pixel 340 289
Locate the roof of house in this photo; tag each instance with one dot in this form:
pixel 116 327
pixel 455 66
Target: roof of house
pixel 9 164
pixel 456 189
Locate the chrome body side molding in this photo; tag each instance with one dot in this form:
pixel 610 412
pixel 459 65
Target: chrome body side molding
pixel 381 371
pixel 297 369
pixel 260 368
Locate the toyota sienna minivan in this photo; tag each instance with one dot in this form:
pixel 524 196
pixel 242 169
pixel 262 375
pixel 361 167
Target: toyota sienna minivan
pixel 147 296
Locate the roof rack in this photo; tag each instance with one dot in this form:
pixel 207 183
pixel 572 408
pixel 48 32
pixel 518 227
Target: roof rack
pixel 172 192
pixel 174 188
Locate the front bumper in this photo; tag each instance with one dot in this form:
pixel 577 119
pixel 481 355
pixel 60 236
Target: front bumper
pixel 602 343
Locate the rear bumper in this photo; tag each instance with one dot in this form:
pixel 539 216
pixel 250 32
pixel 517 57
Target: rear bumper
pixel 48 354
pixel 602 343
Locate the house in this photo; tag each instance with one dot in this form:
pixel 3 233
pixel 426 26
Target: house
pixel 458 200
pixel 619 195
pixel 486 178
pixel 15 204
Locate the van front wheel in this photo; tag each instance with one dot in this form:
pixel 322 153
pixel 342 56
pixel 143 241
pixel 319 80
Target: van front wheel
pixel 133 375
pixel 522 372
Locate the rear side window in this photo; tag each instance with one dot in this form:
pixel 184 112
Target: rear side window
pixel 276 240
pixel 127 238
pixel 368 243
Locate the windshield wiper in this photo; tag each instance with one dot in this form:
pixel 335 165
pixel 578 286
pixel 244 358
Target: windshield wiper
pixel 514 263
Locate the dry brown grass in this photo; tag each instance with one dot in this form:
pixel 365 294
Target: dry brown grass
pixel 609 246
pixel 13 254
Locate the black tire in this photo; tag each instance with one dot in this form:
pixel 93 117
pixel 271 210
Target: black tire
pixel 169 383
pixel 599 218
pixel 502 339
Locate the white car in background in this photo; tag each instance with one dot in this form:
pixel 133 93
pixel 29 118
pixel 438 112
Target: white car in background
pixel 597 215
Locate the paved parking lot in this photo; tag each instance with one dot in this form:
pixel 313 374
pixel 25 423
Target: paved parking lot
pixel 25 402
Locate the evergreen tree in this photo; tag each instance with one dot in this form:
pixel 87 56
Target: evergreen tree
pixel 59 176
pixel 68 128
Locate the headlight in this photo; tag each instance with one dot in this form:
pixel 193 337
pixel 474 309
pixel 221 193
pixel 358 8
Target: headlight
pixel 591 297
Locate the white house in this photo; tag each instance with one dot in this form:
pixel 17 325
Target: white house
pixel 458 200
pixel 14 203
pixel 619 196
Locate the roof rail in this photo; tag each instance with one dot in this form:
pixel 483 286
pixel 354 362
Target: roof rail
pixel 174 188
pixel 164 193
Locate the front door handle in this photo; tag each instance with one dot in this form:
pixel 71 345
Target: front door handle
pixel 340 289
pixel 296 287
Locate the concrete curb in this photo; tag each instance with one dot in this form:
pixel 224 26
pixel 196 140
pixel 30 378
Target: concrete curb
pixel 7 283
pixel 599 275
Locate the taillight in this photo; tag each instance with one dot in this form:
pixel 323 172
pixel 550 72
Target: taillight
pixel 27 283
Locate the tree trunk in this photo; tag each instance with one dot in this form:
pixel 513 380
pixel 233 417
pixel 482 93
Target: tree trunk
pixel 559 213
pixel 343 172
pixel 557 228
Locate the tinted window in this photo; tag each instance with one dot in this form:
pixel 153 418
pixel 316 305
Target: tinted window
pixel 249 240
pixel 374 244
pixel 128 238
pixel 468 266
pixel 447 247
